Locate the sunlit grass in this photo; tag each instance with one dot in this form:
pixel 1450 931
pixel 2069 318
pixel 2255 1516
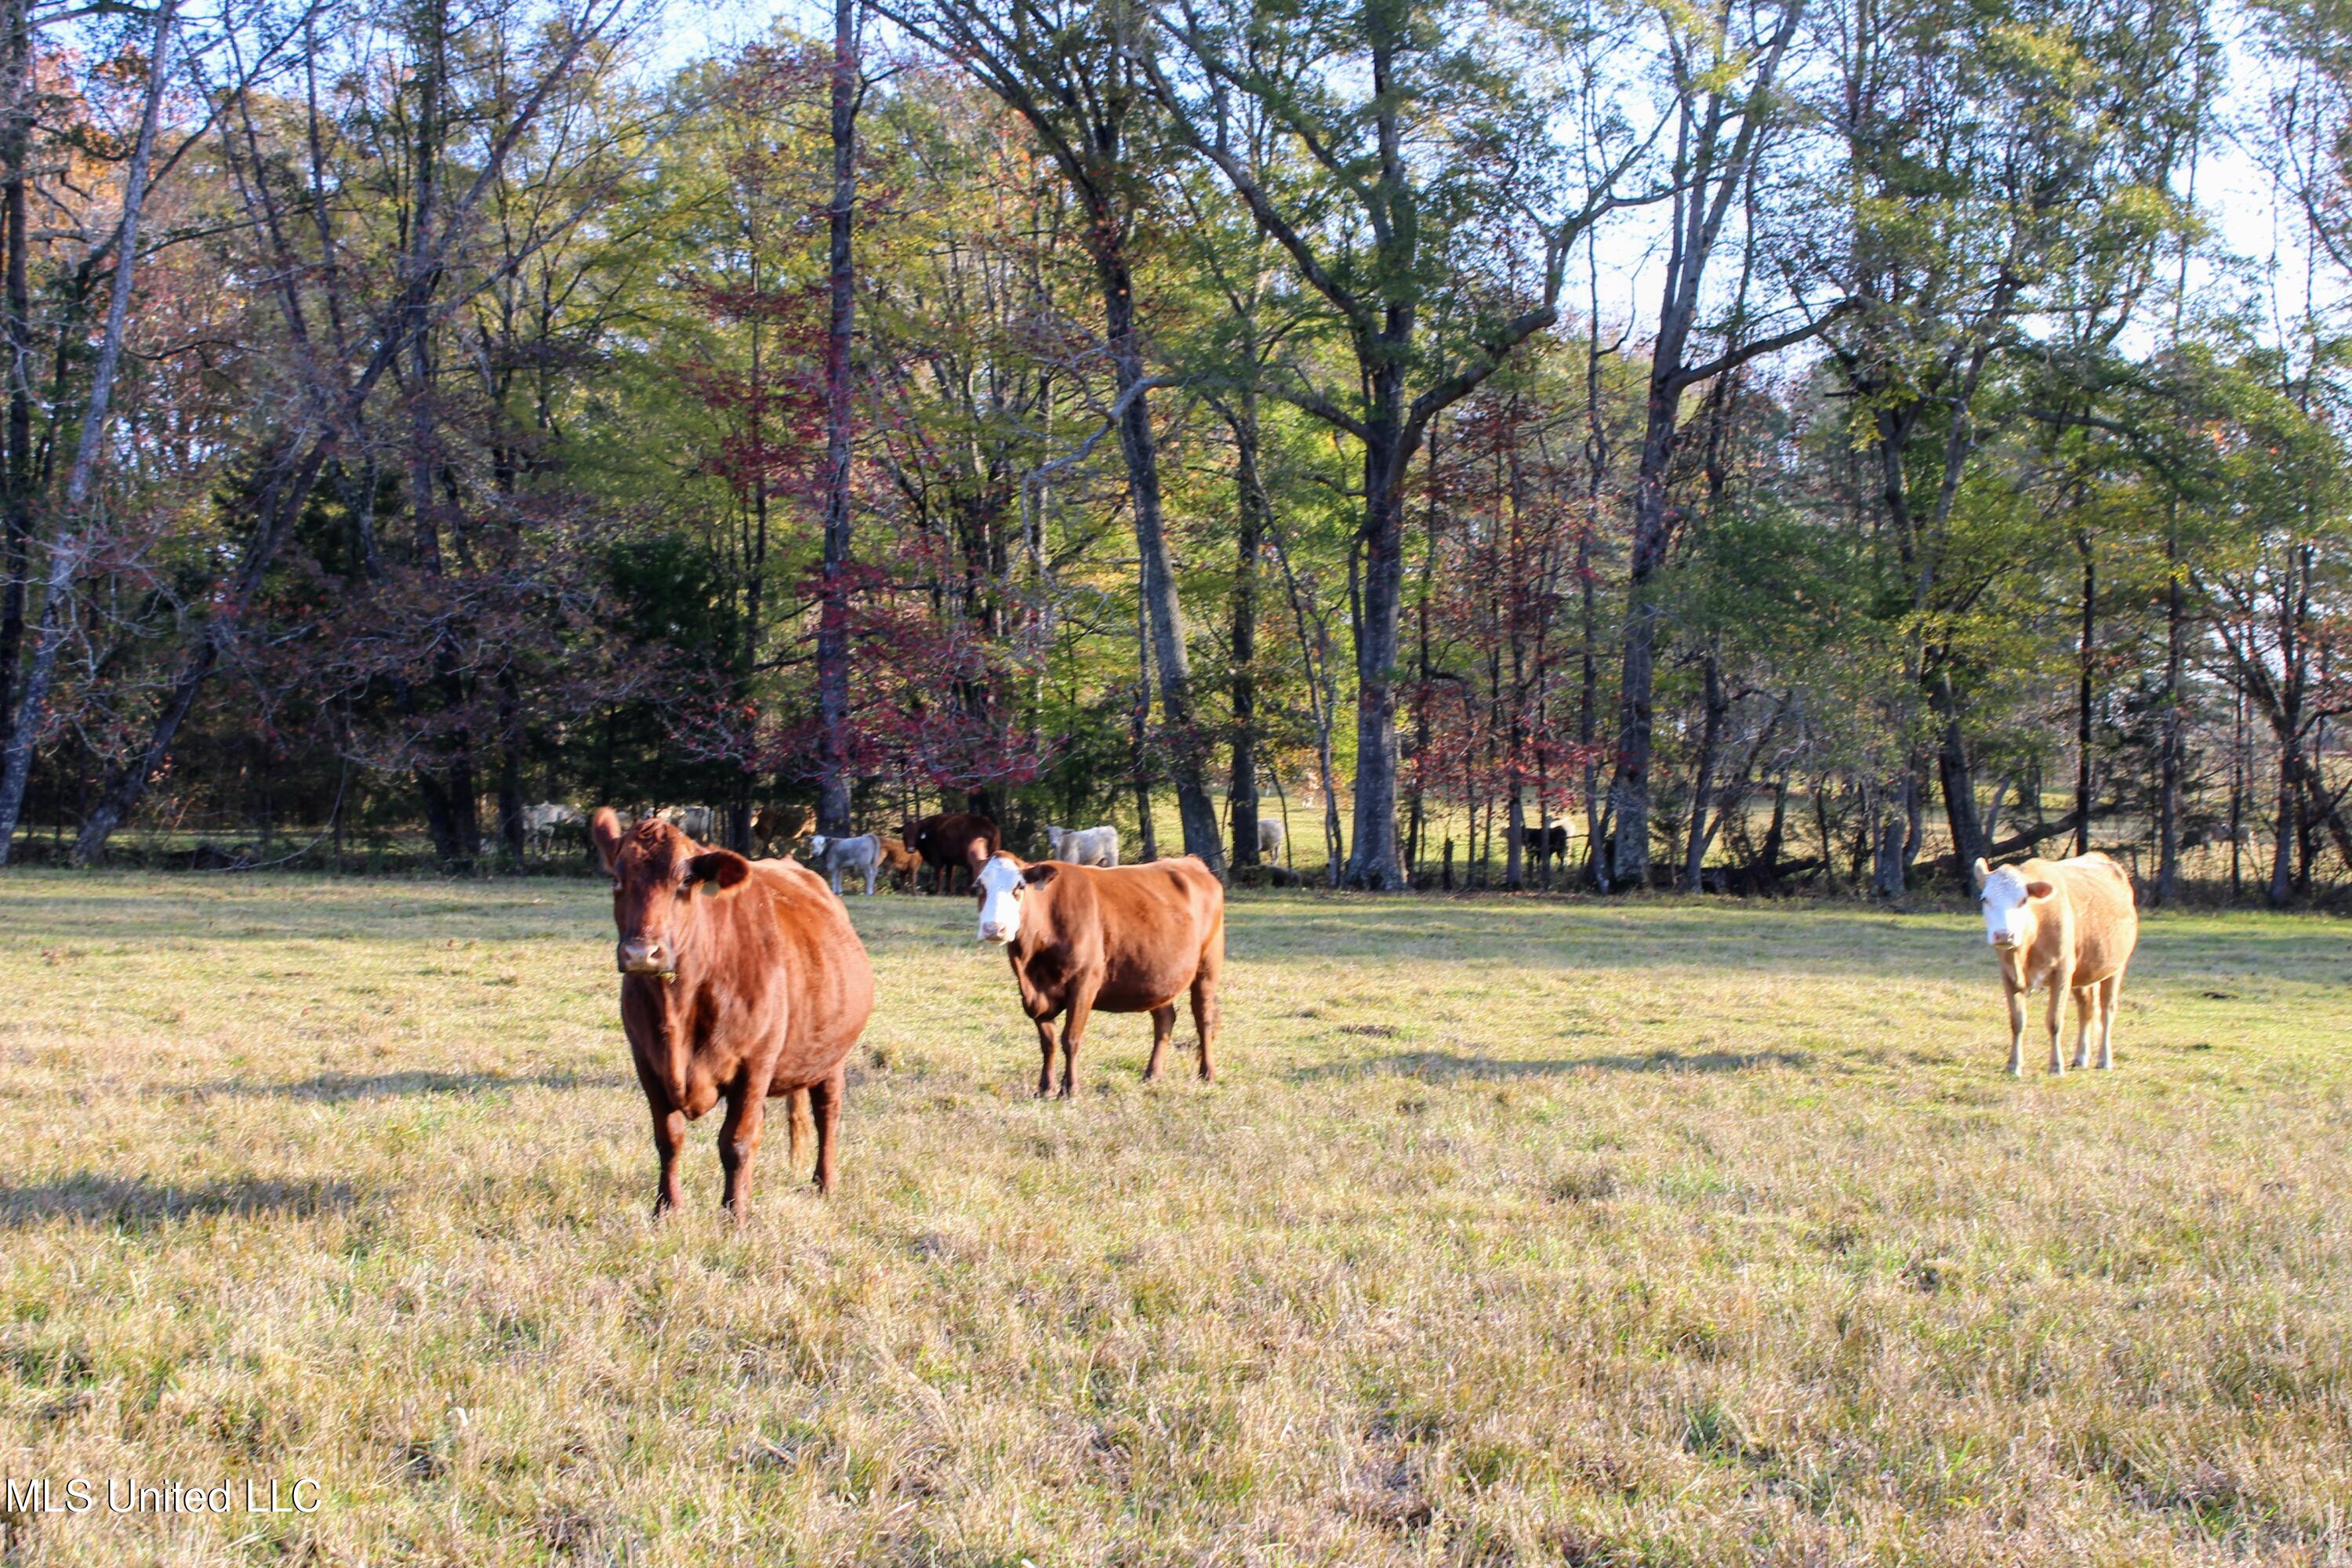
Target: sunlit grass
pixel 1517 1232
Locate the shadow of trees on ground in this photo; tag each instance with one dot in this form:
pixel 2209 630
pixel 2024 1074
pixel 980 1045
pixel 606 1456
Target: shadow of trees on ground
pixel 89 1197
pixel 335 1087
pixel 1442 1066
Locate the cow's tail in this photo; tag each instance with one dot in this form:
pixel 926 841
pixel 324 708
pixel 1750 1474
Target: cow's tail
pixel 803 1131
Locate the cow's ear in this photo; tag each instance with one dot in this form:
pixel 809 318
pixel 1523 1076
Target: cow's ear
pixel 721 871
pixel 605 831
pixel 2039 890
pixel 1039 875
pixel 1983 872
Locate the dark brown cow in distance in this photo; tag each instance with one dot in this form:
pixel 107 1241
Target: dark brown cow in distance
pixel 945 843
pixel 1127 938
pixel 740 980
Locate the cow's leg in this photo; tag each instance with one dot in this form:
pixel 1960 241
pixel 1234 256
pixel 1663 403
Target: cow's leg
pixel 1204 1000
pixel 1204 1020
pixel 825 1104
pixel 2016 1031
pixel 1074 1026
pixel 738 1142
pixel 2111 991
pixel 669 1140
pixel 1163 1025
pixel 2086 1023
pixel 1045 1056
pixel 869 880
pixel 2056 1012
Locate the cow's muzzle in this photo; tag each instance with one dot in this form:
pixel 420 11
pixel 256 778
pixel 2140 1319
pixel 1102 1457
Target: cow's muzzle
pixel 995 933
pixel 642 957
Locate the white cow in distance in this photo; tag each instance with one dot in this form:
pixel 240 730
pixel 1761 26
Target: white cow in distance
pixel 834 856
pixel 540 822
pixel 1083 845
pixel 694 821
pixel 1269 836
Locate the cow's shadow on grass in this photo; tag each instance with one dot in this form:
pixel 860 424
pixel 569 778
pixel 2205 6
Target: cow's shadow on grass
pixel 336 1088
pixel 1440 1067
pixel 91 1197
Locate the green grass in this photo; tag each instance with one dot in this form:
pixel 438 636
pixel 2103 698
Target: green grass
pixel 1518 1231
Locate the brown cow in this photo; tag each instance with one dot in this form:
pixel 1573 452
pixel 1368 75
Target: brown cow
pixel 1082 939
pixel 945 843
pixel 759 988
pixel 2069 924
pixel 900 862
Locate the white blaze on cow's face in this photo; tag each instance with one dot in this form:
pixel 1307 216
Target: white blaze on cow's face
pixel 1001 885
pixel 2010 904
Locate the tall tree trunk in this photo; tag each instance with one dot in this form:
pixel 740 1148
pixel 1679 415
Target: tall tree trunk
pixel 1892 811
pixel 510 746
pixel 1372 863
pixel 832 618
pixel 1515 825
pixel 1138 729
pixel 1629 789
pixel 1251 499
pixel 2281 889
pixel 1172 663
pixel 1958 775
pixel 2084 651
pixel 455 763
pixel 2169 767
pixel 440 817
pixel 66 563
pixel 15 307
pixel 1715 707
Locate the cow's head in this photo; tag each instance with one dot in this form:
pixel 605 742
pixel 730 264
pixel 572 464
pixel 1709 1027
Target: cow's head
pixel 999 883
pixel 655 870
pixel 2013 905
pixel 817 842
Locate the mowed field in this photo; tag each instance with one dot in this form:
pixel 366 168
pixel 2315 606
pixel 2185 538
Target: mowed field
pixel 1518 1231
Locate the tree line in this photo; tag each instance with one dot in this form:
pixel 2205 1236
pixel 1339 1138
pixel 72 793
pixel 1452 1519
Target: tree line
pixel 1796 443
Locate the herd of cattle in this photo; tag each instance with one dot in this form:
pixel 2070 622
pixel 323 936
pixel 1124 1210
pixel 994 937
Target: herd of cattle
pixel 743 980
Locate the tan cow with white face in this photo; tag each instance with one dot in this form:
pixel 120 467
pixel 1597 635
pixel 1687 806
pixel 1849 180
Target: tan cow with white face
pixel 2069 925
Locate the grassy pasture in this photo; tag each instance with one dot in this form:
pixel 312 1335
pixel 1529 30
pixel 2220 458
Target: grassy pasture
pixel 1519 1232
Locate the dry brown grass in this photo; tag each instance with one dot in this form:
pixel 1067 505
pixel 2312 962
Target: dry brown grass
pixel 1519 1232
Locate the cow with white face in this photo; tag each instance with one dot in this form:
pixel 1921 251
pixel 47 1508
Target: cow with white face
pixel 2069 925
pixel 1129 939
